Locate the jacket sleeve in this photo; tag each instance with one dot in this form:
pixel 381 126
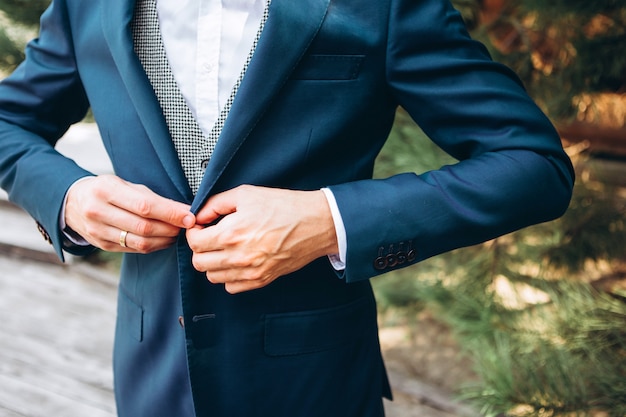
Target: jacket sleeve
pixel 512 170
pixel 38 103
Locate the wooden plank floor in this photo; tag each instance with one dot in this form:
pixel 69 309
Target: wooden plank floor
pixel 56 336
pixel 56 324
pixel 56 332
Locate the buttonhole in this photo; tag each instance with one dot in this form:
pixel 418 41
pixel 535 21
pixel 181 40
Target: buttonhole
pixel 202 317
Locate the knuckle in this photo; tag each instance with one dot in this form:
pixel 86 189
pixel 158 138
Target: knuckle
pixel 193 244
pixel 143 208
pixel 250 275
pixel 91 211
pixel 195 261
pixel 91 230
pixel 97 193
pixel 254 260
pixel 144 228
pixel 173 216
pixel 142 246
pixel 227 237
pixel 241 261
pixel 107 246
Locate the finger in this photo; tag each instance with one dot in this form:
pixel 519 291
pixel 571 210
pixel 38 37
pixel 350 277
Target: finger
pixel 115 240
pixel 233 284
pixel 90 213
pixel 103 216
pixel 140 226
pixel 144 245
pixel 211 261
pixel 203 239
pixel 217 207
pixel 145 203
pixel 241 286
pixel 169 211
pixel 226 266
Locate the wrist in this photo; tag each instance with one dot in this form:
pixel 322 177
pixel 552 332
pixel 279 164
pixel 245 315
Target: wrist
pixel 338 255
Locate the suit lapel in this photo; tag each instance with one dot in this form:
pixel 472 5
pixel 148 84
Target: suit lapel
pixel 117 16
pixel 290 28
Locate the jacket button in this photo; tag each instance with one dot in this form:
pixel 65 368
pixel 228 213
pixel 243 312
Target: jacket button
pixel 181 321
pixel 44 233
pixel 401 257
pixel 380 263
pixel 392 260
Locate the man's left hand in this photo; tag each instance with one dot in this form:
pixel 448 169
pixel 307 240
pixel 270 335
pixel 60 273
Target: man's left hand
pixel 262 234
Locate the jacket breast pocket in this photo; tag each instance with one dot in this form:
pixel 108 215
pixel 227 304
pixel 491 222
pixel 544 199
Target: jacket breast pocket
pixel 313 331
pixel 328 67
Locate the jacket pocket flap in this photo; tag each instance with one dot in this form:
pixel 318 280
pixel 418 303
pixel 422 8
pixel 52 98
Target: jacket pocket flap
pixel 314 331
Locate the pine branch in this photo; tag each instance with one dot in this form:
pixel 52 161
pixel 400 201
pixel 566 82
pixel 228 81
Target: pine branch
pixel 25 12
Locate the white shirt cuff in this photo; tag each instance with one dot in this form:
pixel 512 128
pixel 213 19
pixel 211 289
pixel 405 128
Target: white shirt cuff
pixel 69 235
pixel 338 261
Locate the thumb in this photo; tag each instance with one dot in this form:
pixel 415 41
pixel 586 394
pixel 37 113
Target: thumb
pixel 216 207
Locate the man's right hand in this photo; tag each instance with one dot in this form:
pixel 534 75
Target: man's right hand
pixel 101 208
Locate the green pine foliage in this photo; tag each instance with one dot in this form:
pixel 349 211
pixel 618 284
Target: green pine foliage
pixel 560 48
pixel 594 228
pixel 25 12
pixel 18 22
pixel 541 312
pixel 11 53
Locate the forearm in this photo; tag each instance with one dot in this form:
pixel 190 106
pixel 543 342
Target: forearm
pixel 460 205
pixel 36 177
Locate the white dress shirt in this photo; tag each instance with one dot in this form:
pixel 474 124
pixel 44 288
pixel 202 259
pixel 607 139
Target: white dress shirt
pixel 207 43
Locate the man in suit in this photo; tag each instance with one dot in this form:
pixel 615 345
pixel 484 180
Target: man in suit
pixel 248 216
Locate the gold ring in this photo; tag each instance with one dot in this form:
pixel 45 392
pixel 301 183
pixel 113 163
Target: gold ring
pixel 123 235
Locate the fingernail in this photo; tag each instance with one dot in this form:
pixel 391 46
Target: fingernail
pixel 189 221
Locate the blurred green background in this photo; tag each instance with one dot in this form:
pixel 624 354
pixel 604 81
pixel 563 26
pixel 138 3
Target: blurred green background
pixel 541 313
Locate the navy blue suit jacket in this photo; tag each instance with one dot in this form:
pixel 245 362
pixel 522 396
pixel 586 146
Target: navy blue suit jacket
pixel 313 110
